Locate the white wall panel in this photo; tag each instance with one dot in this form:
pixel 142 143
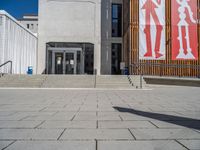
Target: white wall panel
pixel 16 44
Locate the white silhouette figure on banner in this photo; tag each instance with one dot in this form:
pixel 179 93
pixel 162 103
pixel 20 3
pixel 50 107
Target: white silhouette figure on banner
pixel 183 23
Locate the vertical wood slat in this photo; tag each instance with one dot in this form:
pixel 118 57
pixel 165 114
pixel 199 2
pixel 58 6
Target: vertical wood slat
pixel 154 70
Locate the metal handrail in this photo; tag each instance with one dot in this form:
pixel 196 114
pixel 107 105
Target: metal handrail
pixel 138 67
pixel 167 65
pixel 6 64
pixel 163 66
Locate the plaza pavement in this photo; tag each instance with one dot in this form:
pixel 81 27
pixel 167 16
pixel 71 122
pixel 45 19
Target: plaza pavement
pixel 161 118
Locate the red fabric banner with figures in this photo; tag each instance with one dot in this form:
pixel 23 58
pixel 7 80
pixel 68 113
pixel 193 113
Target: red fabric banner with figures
pixel 184 30
pixel 152 29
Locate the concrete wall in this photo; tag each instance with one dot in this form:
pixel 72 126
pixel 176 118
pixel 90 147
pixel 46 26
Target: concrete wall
pixel 69 21
pixel 107 39
pixel 34 29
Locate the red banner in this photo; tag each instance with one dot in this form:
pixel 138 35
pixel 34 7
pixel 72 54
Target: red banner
pixel 152 29
pixel 184 30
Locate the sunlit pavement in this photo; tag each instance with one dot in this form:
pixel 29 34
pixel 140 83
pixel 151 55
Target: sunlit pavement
pixel 42 119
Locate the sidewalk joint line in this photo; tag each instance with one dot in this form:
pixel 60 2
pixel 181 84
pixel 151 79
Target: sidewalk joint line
pixel 132 134
pixel 22 119
pixel 97 124
pixel 61 134
pixel 153 124
pixel 39 124
pixel 73 117
pixel 9 145
pixel 121 118
pixel 181 144
pixel 96 143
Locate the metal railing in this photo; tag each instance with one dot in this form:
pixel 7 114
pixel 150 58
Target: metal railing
pixel 141 69
pixel 7 62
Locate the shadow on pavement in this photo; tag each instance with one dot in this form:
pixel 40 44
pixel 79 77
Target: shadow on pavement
pixel 177 120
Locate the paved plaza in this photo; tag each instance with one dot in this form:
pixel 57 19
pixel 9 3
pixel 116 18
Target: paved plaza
pixel 161 118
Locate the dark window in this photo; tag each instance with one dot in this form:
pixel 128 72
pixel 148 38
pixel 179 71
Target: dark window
pixel 28 26
pixel 116 58
pixel 89 58
pixel 116 20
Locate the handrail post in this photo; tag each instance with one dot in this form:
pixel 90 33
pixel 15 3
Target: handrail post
pixel 10 67
pixel 141 78
pixel 95 78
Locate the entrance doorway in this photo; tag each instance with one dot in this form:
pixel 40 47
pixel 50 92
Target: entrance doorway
pixel 58 63
pixel 66 61
pixel 70 65
pixel 69 58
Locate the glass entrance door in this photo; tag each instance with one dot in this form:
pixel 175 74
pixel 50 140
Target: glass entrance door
pixel 70 63
pixel 58 67
pixel 66 62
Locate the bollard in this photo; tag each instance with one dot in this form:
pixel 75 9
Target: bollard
pixel 141 81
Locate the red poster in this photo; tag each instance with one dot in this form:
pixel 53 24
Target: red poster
pixel 184 30
pixel 152 29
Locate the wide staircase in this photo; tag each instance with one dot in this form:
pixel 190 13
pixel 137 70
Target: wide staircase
pixel 70 81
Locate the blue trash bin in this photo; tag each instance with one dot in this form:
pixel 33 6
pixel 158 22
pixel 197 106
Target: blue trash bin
pixel 30 70
pixel 126 72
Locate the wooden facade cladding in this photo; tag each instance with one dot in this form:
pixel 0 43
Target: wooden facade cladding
pixel 167 67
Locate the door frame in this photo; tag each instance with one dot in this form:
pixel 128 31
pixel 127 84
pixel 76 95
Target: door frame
pixel 65 50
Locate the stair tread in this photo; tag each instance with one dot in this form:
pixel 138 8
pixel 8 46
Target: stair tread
pixel 67 81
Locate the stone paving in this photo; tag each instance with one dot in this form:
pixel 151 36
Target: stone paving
pixel 162 118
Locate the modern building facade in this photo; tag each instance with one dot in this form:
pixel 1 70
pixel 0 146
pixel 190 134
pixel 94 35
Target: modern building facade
pixel 151 37
pixel 78 37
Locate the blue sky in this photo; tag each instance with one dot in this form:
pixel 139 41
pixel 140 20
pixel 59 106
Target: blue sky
pixel 19 7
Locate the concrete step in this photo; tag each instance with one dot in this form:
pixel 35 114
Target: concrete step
pixel 64 81
pixel 137 81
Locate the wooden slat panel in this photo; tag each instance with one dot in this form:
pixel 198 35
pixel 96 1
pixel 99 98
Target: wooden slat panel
pixel 155 70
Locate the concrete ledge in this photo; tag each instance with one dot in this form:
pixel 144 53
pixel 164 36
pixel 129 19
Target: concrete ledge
pixel 172 81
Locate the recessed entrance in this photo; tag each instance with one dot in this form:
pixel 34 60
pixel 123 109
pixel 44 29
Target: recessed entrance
pixel 70 60
pixel 67 61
